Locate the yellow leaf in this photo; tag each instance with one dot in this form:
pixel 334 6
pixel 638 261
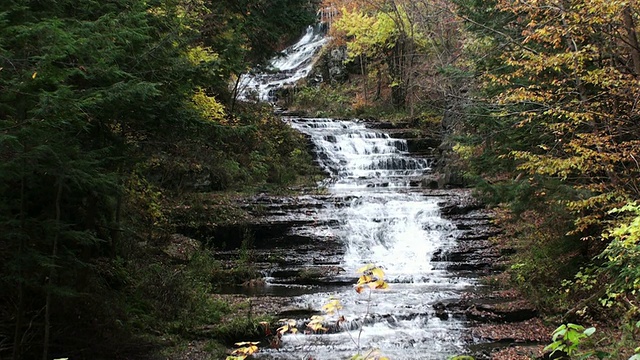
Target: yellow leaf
pixel 365 268
pixel 283 329
pixel 377 272
pixel 365 279
pixel 381 284
pixel 316 325
pixel 35 73
pixel 247 343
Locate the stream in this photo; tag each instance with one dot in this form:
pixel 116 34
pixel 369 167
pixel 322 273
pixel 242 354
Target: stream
pixel 375 210
pixel 375 214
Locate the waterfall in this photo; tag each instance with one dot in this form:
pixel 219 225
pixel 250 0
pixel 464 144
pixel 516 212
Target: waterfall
pixel 375 212
pixel 378 216
pixel 286 70
pixel 326 16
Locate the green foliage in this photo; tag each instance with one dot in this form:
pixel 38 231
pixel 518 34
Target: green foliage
pixel 106 108
pixel 568 338
pixel 242 327
pixel 345 101
pixel 325 101
pixel 370 34
pixel 622 255
pixel 404 51
pixel 551 133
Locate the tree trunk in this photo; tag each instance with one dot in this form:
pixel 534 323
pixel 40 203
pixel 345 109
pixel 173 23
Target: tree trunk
pixel 365 77
pixel 630 27
pixel 52 274
pixel 116 229
pixel 396 70
pixel 17 338
pixel 234 95
pixel 379 85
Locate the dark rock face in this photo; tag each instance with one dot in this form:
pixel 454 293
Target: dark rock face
pixel 498 319
pixel 473 251
pixel 423 145
pixel 435 144
pixel 330 67
pixel 508 312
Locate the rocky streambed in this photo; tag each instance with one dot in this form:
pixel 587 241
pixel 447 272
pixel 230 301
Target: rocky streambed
pixel 498 324
pixel 378 206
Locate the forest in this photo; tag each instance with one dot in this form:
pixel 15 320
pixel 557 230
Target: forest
pixel 111 113
pixel 118 117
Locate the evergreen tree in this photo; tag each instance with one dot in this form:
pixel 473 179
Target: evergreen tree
pixel 90 93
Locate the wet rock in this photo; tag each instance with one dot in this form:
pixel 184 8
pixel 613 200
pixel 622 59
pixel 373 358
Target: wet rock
pixel 529 331
pixel 473 313
pixel 505 351
pixel 459 209
pixel 404 133
pixel 312 275
pixel 556 355
pixel 422 145
pixel 298 313
pixel 254 283
pixel 386 125
pixel 331 67
pixel 469 266
pixel 441 311
pixel 513 311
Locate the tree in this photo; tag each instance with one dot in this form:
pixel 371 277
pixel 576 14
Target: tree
pixel 91 96
pixel 81 86
pixel 406 41
pixel 556 130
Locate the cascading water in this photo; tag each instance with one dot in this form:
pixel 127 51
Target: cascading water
pixel 379 219
pixel 286 70
pixel 374 213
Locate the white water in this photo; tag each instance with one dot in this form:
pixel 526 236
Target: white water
pixel 286 70
pixel 386 222
pixel 379 216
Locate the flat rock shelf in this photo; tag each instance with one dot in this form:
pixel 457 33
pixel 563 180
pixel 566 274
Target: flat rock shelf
pixel 432 245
